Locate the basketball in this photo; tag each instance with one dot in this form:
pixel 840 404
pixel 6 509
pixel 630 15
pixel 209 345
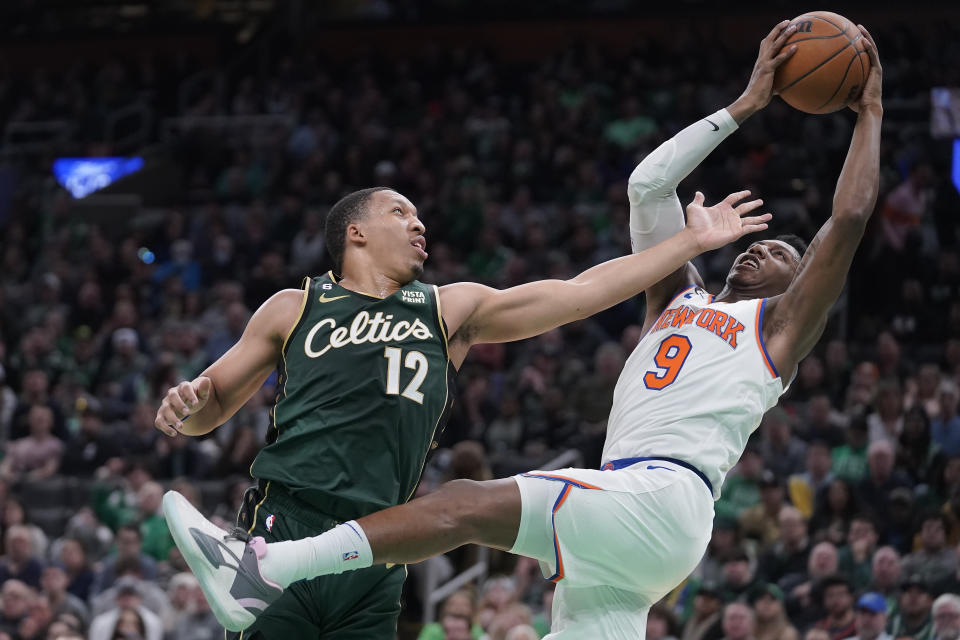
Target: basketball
pixel 830 65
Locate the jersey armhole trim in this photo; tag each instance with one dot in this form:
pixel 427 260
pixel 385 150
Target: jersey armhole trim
pixel 300 315
pixel 440 321
pixel 758 327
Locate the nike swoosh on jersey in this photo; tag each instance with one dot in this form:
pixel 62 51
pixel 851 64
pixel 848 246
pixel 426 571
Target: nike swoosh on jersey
pixel 324 299
pixel 715 127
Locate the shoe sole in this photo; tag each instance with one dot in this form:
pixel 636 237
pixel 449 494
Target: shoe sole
pixel 232 616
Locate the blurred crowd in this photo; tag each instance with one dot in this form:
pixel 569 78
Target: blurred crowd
pixel 843 517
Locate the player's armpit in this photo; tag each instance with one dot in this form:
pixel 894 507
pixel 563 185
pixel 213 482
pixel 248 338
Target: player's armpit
pixel 242 370
pixel 794 320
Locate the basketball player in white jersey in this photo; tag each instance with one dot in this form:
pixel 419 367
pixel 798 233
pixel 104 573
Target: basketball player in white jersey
pixel 708 367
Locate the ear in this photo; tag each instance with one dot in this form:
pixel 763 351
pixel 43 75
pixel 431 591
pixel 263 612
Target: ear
pixel 355 234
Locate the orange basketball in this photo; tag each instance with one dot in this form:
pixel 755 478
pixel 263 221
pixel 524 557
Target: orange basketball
pixel 829 68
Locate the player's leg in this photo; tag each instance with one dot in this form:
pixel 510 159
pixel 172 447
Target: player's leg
pixel 460 512
pixel 241 577
pixel 597 612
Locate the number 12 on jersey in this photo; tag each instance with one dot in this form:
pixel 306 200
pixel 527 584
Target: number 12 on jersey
pixel 414 360
pixel 669 360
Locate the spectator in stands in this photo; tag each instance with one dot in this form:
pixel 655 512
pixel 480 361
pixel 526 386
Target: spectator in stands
pixel 54 584
pixel 513 615
pixel 739 622
pixel 871 617
pixel 498 594
pixel 823 422
pixel 913 618
pixel 783 452
pixel 885 575
pixel 199 622
pixel 837 599
pixel 661 623
pixel 738 575
pixel 14 514
pixel 788 555
pixel 19 563
pixel 850 459
pixel 724 539
pixel 898 521
pixel 771 617
pixel 35 391
pixel 920 458
pixel 886 422
pixel 833 511
pixel 80 576
pixel 460 605
pixel 157 541
pixel 454 628
pixel 945 428
pixel 128 574
pixel 741 488
pixel 946 617
pixel 129 546
pixel 761 521
pixel 905 209
pixel 803 487
pixel 17 599
pixel 37 456
pixel 882 478
pixel 175 457
pixel 522 632
pixel 855 556
pixel 705 621
pixel 90 448
pixel 934 561
pixel 803 605
pixel 128 617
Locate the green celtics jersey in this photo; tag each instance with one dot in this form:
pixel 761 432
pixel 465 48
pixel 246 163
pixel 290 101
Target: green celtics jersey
pixel 363 389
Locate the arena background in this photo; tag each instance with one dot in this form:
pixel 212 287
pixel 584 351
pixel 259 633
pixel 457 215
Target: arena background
pixel 513 127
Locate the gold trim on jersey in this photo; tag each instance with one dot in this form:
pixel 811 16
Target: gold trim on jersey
pixel 266 492
pixel 443 327
pixel 303 305
pixel 283 353
pixel 446 397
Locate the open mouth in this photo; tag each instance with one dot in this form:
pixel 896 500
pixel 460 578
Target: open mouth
pixel 421 244
pixel 749 260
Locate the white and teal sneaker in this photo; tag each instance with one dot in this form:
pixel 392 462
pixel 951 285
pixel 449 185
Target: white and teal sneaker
pixel 227 565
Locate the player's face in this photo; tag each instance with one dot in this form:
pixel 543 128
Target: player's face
pixel 395 235
pixel 767 265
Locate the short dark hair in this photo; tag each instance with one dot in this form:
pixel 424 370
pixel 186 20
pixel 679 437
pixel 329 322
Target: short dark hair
pixel 132 527
pixel 794 241
pixel 342 214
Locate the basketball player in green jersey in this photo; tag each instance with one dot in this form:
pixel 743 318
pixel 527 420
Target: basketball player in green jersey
pixel 364 361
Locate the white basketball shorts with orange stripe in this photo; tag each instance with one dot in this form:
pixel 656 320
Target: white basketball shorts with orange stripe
pixel 615 542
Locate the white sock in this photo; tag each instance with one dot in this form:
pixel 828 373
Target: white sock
pixel 343 548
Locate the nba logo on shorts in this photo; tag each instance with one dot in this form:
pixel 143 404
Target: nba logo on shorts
pixel 269 522
pixel 351 555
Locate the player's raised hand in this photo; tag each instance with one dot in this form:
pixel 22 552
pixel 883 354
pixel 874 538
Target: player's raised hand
pixel 772 54
pixel 724 222
pixel 182 401
pixel 872 94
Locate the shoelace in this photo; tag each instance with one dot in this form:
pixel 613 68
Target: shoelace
pixel 238 534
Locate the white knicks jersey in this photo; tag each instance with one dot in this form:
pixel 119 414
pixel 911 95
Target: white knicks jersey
pixel 695 387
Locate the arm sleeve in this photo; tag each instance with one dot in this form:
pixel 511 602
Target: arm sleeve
pixel 655 210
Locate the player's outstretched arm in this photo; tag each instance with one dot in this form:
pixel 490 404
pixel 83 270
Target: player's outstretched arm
pixel 655 210
pixel 475 313
pixel 797 318
pixel 216 394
